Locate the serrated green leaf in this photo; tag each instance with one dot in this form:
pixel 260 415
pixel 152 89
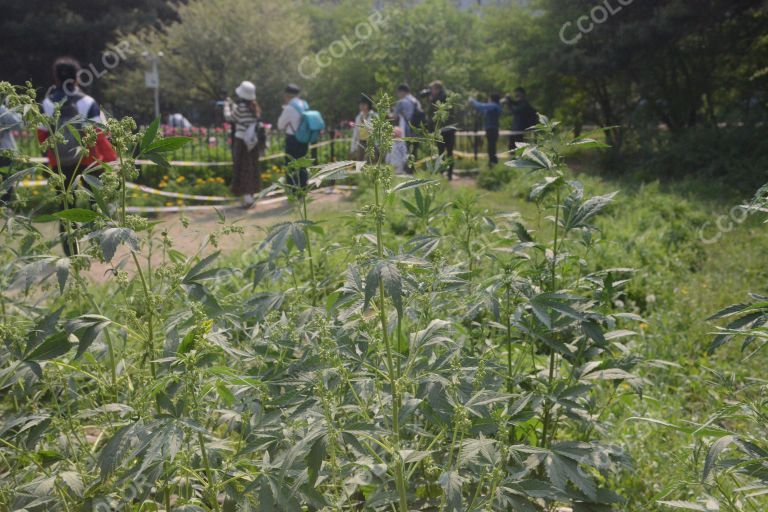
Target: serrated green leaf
pixel 54 346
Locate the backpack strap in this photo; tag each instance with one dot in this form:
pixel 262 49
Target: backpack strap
pixel 72 98
pixel 300 105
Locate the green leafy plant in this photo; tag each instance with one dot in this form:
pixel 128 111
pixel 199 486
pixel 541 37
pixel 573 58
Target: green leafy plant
pixel 466 366
pixel 734 476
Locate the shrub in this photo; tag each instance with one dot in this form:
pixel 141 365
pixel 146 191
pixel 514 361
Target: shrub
pixel 735 157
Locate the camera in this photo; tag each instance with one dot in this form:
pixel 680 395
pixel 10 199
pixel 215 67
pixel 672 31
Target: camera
pixel 424 93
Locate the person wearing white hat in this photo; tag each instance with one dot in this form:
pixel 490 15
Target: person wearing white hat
pixel 245 113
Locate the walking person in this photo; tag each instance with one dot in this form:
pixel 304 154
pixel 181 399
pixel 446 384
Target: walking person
pixel 491 114
pixel 438 94
pixel 360 132
pixel 248 142
pixel 9 120
pixel 77 110
pixel 523 116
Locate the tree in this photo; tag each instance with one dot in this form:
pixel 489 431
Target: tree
pixel 35 32
pixel 214 45
pixel 345 28
pixel 680 60
pixel 412 43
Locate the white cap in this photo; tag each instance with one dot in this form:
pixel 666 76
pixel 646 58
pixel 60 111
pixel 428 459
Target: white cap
pixel 246 90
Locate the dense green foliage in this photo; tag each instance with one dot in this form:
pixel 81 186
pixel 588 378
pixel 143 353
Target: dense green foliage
pixel 273 351
pixel 35 32
pixel 466 366
pixel 540 343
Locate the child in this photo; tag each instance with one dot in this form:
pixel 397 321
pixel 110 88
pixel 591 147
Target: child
pixel 398 155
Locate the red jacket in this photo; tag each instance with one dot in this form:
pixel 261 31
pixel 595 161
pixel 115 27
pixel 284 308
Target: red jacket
pixel 101 152
pixel 88 109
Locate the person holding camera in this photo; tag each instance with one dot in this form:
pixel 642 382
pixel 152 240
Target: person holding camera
pixel 438 94
pixel 249 140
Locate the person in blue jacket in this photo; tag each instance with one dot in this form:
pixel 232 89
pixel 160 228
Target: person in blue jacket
pixel 492 113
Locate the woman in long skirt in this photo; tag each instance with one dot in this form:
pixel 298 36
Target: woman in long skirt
pixel 245 113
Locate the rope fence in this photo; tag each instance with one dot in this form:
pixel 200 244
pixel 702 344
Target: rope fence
pixel 270 198
pixel 473 150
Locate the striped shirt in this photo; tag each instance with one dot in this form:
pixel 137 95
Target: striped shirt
pixel 242 115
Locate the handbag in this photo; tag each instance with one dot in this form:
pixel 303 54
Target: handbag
pixel 251 136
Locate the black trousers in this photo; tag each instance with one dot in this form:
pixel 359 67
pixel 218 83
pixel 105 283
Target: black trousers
pixel 514 139
pixel 296 178
pixel 446 146
pixel 493 138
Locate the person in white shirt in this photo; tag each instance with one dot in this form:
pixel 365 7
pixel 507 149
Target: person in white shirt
pixel 288 123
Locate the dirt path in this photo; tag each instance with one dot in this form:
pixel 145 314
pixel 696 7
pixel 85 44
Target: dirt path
pixel 254 221
pixel 191 239
pixel 200 225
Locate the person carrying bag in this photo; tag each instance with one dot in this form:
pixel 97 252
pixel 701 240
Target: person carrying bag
pixel 248 142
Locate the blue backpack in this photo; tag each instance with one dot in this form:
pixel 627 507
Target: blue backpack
pixel 311 125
